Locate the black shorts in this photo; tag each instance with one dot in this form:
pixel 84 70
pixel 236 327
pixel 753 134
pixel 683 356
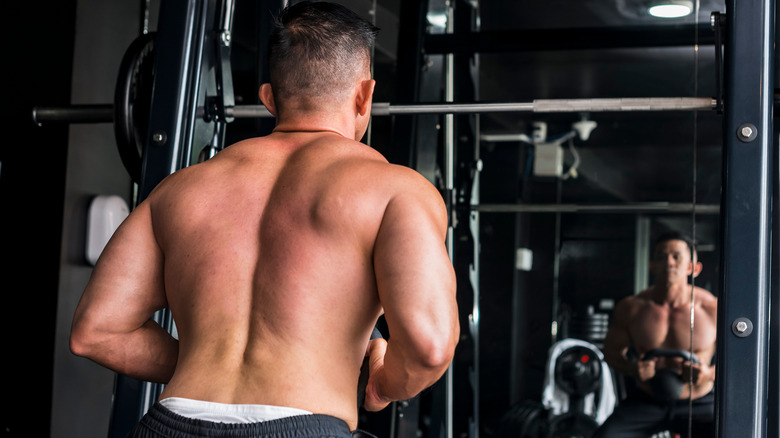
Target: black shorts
pixel 162 422
pixel 641 416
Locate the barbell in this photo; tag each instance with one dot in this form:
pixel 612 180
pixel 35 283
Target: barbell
pixel 132 102
pixel 104 113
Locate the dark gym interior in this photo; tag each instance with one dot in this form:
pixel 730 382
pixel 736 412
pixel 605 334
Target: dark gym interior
pixel 588 229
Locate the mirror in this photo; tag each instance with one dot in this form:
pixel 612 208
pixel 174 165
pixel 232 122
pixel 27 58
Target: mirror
pixel 556 212
pixel 554 265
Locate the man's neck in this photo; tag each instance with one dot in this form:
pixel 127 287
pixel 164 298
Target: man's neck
pixel 306 130
pixel 674 294
pixel 317 122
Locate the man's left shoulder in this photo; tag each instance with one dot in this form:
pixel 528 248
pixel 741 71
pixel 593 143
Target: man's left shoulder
pixel 704 294
pixel 706 299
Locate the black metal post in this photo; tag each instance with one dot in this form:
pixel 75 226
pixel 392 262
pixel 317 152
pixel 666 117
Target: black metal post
pixel 466 372
pixel 405 421
pixel 178 55
pixel 412 16
pixel 743 313
pixel 773 401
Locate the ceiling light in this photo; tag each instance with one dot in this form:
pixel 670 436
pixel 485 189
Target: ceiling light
pixel 671 9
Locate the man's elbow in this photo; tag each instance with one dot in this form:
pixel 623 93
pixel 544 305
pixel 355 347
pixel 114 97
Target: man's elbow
pixel 83 341
pixel 78 344
pixel 439 351
pixel 437 358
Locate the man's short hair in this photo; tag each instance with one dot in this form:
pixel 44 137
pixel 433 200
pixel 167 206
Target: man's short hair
pixel 674 235
pixel 318 49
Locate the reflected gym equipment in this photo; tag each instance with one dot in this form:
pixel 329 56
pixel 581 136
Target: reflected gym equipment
pixel 578 373
pixel 667 384
pixel 527 419
pixel 578 396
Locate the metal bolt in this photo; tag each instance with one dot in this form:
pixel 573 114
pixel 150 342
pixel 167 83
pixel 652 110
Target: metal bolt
pixel 742 327
pixel 747 132
pixel 159 138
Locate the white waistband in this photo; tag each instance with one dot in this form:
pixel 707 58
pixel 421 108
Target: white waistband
pixel 228 413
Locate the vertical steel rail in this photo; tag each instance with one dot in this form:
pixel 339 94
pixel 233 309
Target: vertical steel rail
pixel 178 55
pixel 773 402
pixel 449 182
pixel 743 313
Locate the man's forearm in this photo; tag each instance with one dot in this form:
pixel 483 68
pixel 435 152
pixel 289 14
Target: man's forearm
pixel 157 355
pixel 405 375
pixel 706 375
pixel 148 353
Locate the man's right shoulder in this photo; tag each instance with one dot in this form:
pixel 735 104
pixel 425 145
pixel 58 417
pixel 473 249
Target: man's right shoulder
pixel 408 192
pixel 394 177
pixel 409 183
pixel 630 303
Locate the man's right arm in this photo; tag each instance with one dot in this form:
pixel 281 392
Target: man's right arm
pixel 618 340
pixel 416 285
pixel 112 323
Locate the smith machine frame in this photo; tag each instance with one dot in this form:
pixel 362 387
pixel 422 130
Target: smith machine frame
pixel 192 73
pixel 743 373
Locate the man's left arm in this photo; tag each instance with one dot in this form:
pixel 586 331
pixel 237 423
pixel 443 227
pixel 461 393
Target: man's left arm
pixel 112 323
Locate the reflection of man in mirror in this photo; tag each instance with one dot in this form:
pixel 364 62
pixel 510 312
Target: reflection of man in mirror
pixel 650 339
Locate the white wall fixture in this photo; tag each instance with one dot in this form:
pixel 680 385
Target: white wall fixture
pixel 106 213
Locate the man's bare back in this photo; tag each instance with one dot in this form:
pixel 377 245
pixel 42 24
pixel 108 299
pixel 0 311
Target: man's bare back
pixel 269 251
pixel 274 280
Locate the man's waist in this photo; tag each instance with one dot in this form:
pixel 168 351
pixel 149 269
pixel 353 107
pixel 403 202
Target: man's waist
pixel 241 392
pixel 228 413
pixel 697 392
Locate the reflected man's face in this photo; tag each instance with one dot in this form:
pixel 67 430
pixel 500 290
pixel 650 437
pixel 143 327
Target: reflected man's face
pixel 672 262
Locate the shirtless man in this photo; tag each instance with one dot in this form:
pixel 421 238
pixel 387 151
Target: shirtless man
pixel 276 257
pixel 659 317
